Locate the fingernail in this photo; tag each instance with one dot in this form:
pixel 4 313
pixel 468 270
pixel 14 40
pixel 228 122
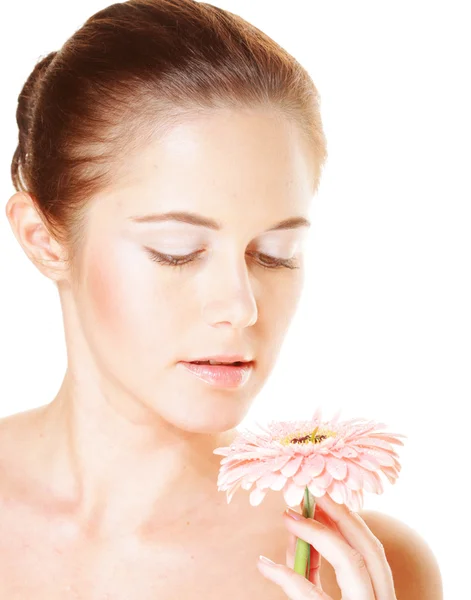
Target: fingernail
pixel 266 560
pixel 293 514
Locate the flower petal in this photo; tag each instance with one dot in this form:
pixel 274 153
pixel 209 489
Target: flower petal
pixel 232 491
pixel 258 454
pixel 222 451
pixel 227 476
pixel 397 465
pixel 279 482
pixel 256 496
pixel 388 437
pixel 345 452
pixel 279 462
pixel 291 468
pixel 376 442
pixel 337 492
pixel 367 462
pixel 357 500
pixel 315 490
pixel 265 481
pixel 292 493
pixel 303 476
pixel 315 463
pixel 372 482
pixel 384 458
pixel 390 473
pixel 336 467
pixel 274 481
pixel 354 479
pixel 344 465
pixel 323 480
pixel 348 496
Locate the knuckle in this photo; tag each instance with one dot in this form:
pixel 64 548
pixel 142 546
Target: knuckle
pixel 346 515
pixel 356 516
pixel 379 546
pixel 356 559
pixel 312 592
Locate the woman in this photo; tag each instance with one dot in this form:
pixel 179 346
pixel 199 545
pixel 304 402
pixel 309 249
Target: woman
pixel 167 158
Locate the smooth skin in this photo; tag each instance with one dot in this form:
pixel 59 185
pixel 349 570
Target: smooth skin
pixel 397 565
pixel 129 319
pixel 126 411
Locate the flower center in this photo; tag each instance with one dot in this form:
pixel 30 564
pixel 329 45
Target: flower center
pixel 310 438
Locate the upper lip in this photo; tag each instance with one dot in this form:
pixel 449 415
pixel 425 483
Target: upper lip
pixel 226 358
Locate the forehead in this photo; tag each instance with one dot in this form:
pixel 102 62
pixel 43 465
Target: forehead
pixel 221 163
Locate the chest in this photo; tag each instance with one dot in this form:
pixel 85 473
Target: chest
pixel 43 562
pixel 212 556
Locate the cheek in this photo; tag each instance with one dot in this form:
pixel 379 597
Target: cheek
pixel 284 299
pixel 279 307
pixel 128 300
pixel 107 294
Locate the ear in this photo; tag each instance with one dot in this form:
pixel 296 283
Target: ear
pixel 34 237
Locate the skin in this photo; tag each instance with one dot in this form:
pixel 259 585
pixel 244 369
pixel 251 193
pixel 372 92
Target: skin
pixel 343 538
pixel 371 556
pixel 129 320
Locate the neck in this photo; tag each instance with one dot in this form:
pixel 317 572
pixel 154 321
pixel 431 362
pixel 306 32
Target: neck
pixel 119 476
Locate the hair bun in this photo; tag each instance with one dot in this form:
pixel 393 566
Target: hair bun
pixel 44 62
pixel 133 70
pixel 24 112
pixel 31 84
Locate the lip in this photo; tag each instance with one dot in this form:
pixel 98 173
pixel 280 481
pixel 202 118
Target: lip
pixel 228 358
pixel 220 375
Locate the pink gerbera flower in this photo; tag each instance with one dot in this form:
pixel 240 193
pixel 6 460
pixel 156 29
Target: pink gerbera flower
pixel 307 459
pixel 341 459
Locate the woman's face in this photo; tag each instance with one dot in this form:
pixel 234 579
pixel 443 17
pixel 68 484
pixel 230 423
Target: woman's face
pixel 246 171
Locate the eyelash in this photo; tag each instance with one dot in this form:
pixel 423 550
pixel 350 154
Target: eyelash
pixel 180 261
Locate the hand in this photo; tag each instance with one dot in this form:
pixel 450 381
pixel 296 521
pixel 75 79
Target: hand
pixel 343 538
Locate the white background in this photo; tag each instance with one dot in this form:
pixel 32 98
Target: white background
pixel 383 329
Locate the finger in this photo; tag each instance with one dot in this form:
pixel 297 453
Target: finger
pixel 321 516
pixel 315 557
pixel 350 570
pixel 360 537
pixel 314 575
pixel 293 584
pixel 290 550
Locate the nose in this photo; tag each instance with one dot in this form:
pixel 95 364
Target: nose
pixel 229 299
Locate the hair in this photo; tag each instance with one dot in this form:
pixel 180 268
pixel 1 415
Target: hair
pixel 131 72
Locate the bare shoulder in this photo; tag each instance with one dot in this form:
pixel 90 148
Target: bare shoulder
pixel 12 426
pixel 11 436
pixel 18 444
pixel 415 569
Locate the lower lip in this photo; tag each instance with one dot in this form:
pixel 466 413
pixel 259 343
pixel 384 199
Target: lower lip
pixel 220 375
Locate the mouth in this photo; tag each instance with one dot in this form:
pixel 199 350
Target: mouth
pixel 228 375
pixel 237 363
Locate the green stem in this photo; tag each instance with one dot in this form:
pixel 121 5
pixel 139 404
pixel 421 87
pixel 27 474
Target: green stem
pixel 302 557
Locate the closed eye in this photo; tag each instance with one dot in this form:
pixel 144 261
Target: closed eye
pixel 264 260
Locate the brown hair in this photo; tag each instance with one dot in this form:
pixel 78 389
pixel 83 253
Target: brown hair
pixel 131 71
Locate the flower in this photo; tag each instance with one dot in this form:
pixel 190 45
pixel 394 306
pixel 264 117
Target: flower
pixel 341 459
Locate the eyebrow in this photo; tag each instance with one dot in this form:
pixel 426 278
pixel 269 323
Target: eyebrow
pixel 201 221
